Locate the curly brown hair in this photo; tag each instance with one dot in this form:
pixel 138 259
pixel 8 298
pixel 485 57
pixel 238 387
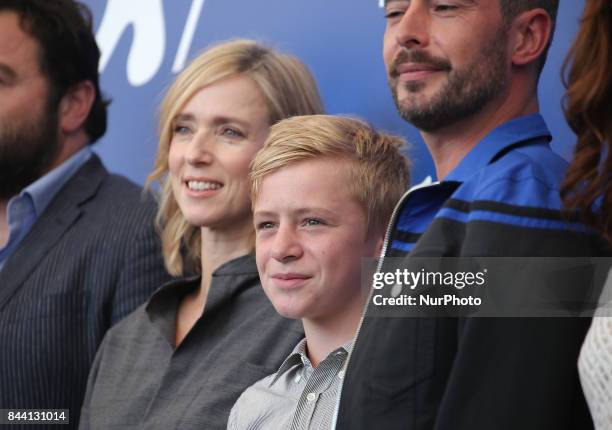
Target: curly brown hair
pixel 587 73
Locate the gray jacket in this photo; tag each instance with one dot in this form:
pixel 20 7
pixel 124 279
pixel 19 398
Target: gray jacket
pixel 140 381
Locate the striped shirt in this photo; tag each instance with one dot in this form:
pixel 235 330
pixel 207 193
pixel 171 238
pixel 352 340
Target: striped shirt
pixel 297 397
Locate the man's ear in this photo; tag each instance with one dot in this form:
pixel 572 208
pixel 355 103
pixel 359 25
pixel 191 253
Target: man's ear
pixel 75 106
pixel 533 31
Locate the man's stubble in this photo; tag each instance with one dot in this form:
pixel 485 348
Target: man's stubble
pixel 466 91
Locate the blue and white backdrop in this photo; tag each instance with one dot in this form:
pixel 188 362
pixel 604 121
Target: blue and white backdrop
pixel 144 43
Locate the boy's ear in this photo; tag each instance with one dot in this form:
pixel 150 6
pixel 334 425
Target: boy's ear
pixel 379 245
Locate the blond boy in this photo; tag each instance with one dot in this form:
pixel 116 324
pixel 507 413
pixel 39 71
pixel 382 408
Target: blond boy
pixel 323 189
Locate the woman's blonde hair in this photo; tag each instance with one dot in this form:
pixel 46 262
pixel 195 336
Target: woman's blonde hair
pixel 288 89
pixel 378 174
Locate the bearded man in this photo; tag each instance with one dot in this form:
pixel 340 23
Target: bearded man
pixel 465 73
pixel 78 250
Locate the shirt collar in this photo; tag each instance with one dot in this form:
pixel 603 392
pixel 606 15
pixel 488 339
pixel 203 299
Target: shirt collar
pixel 163 304
pixel 299 357
pixel 46 187
pixel 500 139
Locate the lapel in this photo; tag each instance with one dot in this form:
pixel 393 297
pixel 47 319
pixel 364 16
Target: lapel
pixel 62 212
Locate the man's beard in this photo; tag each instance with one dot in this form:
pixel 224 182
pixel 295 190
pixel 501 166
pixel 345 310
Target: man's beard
pixel 464 93
pixel 27 149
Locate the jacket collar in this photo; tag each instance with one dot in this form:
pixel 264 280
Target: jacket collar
pixel 227 280
pixel 62 212
pixel 526 129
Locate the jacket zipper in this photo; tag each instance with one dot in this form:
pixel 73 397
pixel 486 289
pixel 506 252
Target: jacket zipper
pixel 379 266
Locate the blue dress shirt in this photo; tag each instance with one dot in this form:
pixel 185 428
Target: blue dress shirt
pixel 25 208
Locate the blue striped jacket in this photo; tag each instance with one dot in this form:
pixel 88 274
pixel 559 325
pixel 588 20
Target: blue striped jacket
pixel 502 200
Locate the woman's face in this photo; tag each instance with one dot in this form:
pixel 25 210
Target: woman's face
pixel 215 137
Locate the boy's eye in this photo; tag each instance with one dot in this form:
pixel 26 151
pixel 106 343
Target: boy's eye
pixel 313 222
pixel 265 225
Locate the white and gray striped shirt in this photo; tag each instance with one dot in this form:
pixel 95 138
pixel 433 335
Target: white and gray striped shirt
pixel 296 397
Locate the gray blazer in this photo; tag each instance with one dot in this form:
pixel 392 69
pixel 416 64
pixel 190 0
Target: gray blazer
pixel 90 259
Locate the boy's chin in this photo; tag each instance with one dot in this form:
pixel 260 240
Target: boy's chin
pixel 286 312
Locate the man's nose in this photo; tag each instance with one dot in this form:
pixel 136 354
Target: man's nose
pixel 413 28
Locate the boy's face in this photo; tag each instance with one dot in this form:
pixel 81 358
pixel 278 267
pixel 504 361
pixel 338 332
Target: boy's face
pixel 311 234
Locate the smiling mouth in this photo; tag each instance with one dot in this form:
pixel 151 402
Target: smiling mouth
pixel 203 185
pixel 417 64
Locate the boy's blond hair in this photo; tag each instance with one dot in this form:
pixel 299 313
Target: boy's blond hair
pixel 378 172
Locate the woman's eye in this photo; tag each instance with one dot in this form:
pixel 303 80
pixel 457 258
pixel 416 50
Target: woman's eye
pixel 181 130
pixel 231 132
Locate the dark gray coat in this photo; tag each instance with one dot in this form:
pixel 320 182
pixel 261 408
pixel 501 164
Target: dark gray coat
pixel 89 260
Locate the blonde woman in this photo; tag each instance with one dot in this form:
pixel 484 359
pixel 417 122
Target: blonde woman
pixel 181 360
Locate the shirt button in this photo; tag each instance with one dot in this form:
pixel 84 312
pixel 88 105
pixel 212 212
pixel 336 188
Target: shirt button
pixel 341 374
pixel 311 397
